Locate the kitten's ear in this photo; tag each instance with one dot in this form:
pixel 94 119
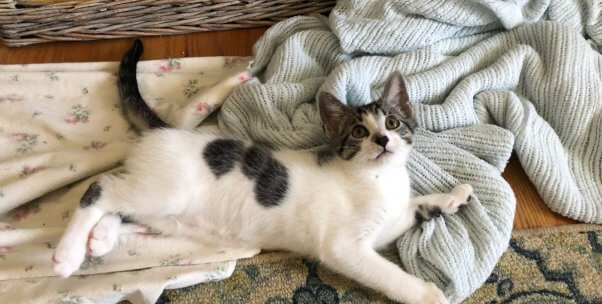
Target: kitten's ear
pixel 334 114
pixel 396 97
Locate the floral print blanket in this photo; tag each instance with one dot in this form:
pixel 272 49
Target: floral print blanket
pixel 60 127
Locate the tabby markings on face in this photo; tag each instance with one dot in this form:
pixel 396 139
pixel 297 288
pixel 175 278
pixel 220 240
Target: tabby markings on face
pixel 375 130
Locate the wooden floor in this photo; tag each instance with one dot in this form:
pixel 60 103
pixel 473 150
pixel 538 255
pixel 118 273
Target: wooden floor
pixel 530 212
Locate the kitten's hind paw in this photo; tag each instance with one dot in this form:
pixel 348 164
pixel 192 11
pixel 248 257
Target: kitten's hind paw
pixel 104 236
pixel 101 246
pixel 66 260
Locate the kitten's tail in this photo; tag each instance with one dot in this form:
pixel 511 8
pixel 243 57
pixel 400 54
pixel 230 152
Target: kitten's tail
pixel 134 107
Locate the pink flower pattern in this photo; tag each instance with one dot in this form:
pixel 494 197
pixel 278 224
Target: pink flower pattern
pixel 19 136
pixel 11 98
pixel 26 210
pixel 204 108
pixel 70 119
pixel 26 141
pixel 95 145
pixel 186 261
pixel 170 65
pixel 78 114
pixel 176 259
pixel 27 170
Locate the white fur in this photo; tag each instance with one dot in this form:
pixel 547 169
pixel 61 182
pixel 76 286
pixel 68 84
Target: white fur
pixel 338 212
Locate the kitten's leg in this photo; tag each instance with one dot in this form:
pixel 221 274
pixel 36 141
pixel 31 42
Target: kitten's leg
pixel 428 206
pixel 105 235
pixel 423 208
pixel 362 263
pixel 71 249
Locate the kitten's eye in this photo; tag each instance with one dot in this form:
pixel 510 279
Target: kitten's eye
pixel 391 122
pixel 359 132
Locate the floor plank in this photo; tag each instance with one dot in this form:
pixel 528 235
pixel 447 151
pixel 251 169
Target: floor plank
pixel 225 43
pixel 530 212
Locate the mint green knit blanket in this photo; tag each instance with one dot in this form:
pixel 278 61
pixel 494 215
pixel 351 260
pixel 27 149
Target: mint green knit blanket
pixel 480 91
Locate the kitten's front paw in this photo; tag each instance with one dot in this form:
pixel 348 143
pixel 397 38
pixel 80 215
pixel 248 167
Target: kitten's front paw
pixel 433 295
pixel 460 195
pixel 463 191
pixel 67 260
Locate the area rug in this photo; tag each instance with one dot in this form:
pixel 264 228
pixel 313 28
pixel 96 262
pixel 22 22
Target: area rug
pixel 545 265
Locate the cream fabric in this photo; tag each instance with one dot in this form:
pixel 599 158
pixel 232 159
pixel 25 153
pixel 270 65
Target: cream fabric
pixel 61 123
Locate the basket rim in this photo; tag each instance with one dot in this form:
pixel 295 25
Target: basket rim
pixel 105 19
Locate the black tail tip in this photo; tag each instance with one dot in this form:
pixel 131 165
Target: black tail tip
pixel 137 49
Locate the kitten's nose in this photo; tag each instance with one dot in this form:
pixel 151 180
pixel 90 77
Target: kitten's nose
pixel 382 141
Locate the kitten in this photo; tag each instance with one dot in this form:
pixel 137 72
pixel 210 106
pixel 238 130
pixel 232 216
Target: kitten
pixel 337 205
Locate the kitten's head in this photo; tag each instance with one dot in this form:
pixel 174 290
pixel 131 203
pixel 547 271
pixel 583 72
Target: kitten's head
pixel 378 132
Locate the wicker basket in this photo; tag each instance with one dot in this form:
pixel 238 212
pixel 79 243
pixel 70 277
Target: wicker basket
pixel 23 23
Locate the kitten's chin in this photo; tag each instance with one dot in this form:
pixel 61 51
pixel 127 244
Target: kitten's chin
pixel 386 157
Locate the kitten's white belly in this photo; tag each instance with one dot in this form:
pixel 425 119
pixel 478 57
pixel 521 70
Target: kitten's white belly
pixel 224 214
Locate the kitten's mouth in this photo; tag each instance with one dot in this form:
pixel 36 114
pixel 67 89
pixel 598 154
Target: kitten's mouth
pixel 384 153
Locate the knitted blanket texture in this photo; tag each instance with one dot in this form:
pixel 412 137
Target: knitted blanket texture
pixel 486 78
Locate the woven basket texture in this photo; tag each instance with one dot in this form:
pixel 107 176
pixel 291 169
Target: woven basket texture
pixel 31 21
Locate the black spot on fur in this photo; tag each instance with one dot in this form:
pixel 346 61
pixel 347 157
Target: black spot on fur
pixel 418 216
pixel 91 195
pixel 126 219
pixel 324 156
pixel 254 161
pixel 435 212
pixel 222 154
pixel 425 213
pixel 272 184
pixel 271 177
